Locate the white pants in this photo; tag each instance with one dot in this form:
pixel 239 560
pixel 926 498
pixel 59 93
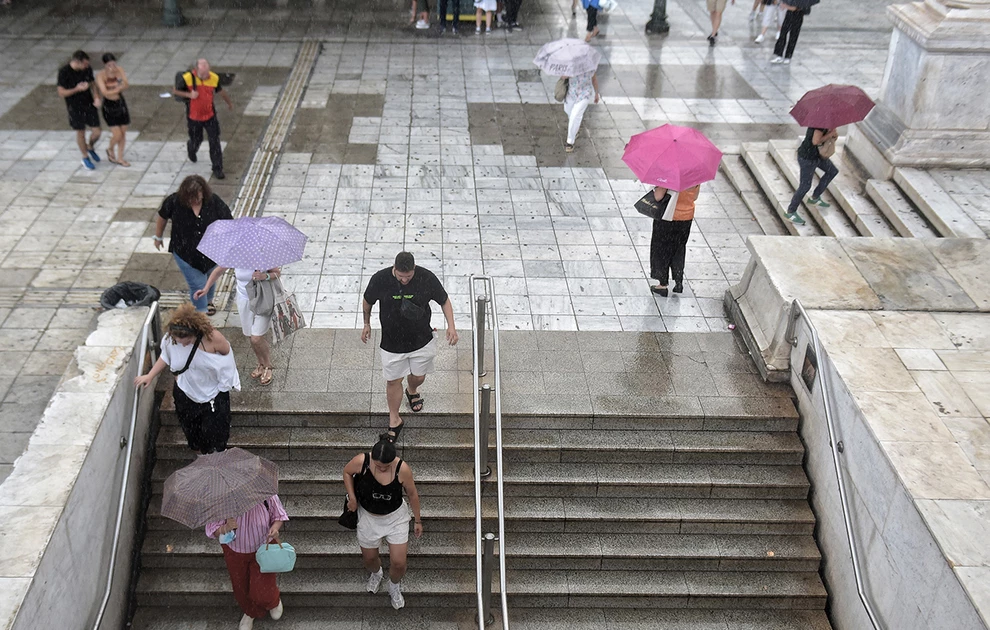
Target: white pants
pixel 575 114
pixel 771 16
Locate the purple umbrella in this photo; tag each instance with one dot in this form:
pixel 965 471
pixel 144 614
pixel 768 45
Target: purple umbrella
pixel 832 106
pixel 253 243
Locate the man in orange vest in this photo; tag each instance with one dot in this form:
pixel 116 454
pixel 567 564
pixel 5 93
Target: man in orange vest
pixel 201 86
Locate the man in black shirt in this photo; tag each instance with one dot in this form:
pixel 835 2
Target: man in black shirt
pixel 78 87
pixel 408 347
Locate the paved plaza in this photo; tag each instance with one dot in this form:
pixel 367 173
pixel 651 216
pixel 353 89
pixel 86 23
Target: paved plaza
pixel 449 147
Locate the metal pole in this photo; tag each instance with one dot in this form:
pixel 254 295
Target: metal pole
pixel 658 20
pixel 486 414
pixel 171 13
pixel 480 324
pixel 487 569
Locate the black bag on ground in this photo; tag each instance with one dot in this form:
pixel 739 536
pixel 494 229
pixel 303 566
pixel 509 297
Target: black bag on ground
pixel 650 207
pixel 132 293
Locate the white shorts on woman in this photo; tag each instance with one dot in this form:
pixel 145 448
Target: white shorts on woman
pixel 251 325
pixel 393 528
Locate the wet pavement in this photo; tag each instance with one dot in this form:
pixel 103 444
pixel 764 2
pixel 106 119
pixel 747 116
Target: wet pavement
pixel 449 147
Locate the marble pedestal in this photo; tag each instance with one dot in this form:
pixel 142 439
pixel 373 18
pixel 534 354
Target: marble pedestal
pixel 931 111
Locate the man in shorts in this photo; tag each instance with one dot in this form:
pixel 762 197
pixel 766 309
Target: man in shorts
pixel 715 9
pixel 404 292
pixel 78 87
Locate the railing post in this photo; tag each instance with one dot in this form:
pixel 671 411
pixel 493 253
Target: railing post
pixel 480 327
pixel 486 414
pixel 487 572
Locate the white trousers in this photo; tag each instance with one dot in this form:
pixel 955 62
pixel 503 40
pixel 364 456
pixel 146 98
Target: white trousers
pixel 575 114
pixel 772 16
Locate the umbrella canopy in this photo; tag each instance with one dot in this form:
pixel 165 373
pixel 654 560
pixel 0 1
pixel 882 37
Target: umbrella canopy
pixel 253 243
pixel 804 5
pixel 832 106
pixel 567 58
pixel 218 486
pixel 674 157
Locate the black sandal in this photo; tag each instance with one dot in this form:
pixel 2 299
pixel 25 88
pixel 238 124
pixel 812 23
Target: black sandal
pixel 393 432
pixel 415 401
pixel 211 309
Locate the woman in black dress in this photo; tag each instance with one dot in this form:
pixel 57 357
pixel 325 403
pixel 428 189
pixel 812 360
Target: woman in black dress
pixel 112 81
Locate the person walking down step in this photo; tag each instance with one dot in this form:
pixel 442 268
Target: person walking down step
pixel 112 81
pixel 77 86
pixel 374 482
pixel 790 29
pixel 202 362
pixel 191 209
pixel 408 345
pixel 668 245
pixel 813 154
pixel 256 593
pixel 201 86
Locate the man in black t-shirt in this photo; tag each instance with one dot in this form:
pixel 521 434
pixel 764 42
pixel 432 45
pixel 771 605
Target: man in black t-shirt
pixel 78 87
pixel 404 292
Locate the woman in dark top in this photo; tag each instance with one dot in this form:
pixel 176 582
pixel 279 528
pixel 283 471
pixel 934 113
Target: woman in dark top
pixel 374 483
pixel 790 28
pixel 810 160
pixel 192 209
pixel 112 81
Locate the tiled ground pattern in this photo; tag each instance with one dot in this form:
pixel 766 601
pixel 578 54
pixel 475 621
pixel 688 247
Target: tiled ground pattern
pixel 448 147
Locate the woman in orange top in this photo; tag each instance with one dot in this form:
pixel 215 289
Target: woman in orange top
pixel 669 243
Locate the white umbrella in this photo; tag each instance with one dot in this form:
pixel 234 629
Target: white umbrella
pixel 567 58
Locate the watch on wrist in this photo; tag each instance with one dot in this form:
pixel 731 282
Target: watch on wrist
pixel 158 238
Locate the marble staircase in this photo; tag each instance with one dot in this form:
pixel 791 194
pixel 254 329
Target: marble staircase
pixel 699 522
pixel 915 204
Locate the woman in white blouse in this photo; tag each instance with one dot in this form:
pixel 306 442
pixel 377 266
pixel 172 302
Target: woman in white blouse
pixel 203 364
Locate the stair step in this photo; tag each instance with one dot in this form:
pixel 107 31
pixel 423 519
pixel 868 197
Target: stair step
pixel 526 445
pixel 225 614
pixel 898 210
pixel 455 550
pixel 299 478
pixel 833 220
pixel 426 588
pixel 566 515
pixel 739 176
pixel 778 191
pixel 936 205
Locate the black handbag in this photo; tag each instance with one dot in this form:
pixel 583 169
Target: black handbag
pixel 650 207
pixel 348 519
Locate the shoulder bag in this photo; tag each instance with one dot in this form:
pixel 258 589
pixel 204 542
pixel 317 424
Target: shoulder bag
pixel 662 210
pixel 199 339
pixel 560 90
pixel 349 519
pixel 827 149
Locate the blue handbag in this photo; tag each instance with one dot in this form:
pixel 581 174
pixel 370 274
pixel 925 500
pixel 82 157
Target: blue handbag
pixel 279 557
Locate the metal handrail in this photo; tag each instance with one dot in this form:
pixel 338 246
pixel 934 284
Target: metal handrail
pixel 797 311
pixel 477 353
pixel 150 328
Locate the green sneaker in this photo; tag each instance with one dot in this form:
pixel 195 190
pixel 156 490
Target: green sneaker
pixel 817 201
pixel 794 218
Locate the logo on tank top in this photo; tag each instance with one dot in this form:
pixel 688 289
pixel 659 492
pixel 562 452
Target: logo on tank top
pixel 381 497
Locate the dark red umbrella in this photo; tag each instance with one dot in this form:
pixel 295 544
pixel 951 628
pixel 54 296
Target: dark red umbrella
pixel 832 106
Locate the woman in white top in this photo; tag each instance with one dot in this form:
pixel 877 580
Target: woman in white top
pixel 252 325
pixel 203 364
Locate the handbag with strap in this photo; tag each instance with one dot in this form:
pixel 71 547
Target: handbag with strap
pixel 286 316
pixel 560 90
pixel 827 149
pixel 262 295
pixel 279 557
pixel 347 518
pixel 662 210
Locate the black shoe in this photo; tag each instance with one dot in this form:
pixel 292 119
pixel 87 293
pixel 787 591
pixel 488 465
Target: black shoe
pixel 711 40
pixel 516 25
pixel 192 156
pixel 678 287
pixel 661 292
pixel 218 173
pixel 441 30
pixel 454 31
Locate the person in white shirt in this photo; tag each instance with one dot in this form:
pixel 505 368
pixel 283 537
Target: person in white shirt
pixel 203 364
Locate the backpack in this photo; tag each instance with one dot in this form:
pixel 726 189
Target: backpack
pixel 180 85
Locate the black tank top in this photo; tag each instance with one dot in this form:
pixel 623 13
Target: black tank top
pixel 373 496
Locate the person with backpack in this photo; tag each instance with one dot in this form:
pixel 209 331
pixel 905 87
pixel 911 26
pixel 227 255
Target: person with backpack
pixel 199 86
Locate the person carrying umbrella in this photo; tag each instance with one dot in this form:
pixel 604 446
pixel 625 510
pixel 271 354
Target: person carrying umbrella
pixel 810 160
pixel 577 62
pixel 255 248
pixel 203 364
pixel 207 493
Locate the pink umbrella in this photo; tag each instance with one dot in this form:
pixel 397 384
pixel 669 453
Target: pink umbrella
pixel 832 106
pixel 674 157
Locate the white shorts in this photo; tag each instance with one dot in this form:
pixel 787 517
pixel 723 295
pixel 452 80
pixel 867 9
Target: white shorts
pixel 251 324
pixel 418 362
pixel 392 528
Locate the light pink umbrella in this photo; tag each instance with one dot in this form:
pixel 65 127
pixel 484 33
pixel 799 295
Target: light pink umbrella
pixel 673 157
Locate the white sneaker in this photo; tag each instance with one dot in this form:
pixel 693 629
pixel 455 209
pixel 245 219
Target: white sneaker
pixel 247 623
pixel 375 580
pixel 777 60
pixel 276 612
pixel 759 39
pixel 787 61
pixel 395 592
pixel 422 24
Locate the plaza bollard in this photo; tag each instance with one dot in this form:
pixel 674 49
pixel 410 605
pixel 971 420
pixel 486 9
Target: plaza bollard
pixel 486 412
pixel 487 572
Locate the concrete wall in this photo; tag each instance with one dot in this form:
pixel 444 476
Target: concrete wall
pixel 68 583
pixel 911 585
